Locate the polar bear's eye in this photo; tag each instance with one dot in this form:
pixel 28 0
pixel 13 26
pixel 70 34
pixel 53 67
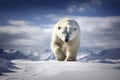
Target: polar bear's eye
pixel 74 28
pixel 59 28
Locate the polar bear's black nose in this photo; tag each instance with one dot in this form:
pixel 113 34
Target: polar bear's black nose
pixel 66 40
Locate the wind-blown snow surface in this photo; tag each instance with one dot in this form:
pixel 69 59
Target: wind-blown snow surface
pixel 56 70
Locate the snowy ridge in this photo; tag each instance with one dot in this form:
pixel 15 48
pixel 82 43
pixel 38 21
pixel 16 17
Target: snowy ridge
pixel 105 56
pixel 5 65
pixel 84 55
pixel 14 54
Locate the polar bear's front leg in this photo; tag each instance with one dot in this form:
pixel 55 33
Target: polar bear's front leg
pixel 71 54
pixel 59 55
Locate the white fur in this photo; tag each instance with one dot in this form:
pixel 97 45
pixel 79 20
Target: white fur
pixel 65 39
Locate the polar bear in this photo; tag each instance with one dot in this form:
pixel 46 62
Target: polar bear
pixel 65 40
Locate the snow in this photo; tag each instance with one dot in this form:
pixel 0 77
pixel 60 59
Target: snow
pixel 58 70
pixel 14 65
pixel 5 65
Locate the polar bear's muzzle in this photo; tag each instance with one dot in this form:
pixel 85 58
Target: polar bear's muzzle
pixel 66 37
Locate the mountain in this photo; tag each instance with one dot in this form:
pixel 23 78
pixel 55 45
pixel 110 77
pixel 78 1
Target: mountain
pixel 110 54
pixel 47 55
pixel 5 65
pixel 13 54
pixel 31 55
pixel 84 55
pixel 105 56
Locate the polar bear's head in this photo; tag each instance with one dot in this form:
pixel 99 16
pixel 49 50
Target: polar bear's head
pixel 67 29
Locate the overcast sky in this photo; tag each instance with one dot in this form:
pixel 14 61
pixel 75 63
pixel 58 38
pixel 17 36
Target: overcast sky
pixel 26 24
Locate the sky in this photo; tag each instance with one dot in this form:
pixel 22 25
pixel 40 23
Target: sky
pixel 27 24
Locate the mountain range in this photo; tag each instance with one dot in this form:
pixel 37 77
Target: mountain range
pixel 105 56
pixel 84 55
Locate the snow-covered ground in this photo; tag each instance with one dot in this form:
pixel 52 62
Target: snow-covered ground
pixel 56 70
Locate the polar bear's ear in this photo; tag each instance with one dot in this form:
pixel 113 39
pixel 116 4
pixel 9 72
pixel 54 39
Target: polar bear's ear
pixel 59 27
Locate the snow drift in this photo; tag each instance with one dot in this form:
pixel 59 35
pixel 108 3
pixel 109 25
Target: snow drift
pixel 57 70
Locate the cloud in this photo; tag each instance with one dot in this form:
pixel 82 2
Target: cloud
pixel 79 8
pixel 96 2
pixel 96 32
pixel 18 23
pixel 21 34
pixel 101 32
pixel 84 6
